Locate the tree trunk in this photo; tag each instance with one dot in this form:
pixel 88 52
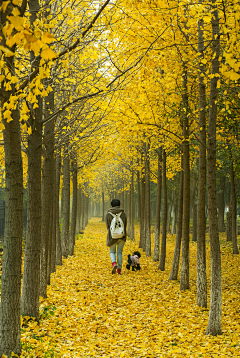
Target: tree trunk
pixel 82 210
pixel 143 242
pixel 53 258
pixel 170 211
pixel 129 213
pixel 176 257
pixel 12 244
pixel 229 223
pixel 194 207
pixel 234 211
pixel 147 203
pixel 174 220
pixel 158 206
pixel 65 203
pixel 201 218
pixel 140 208
pixel 103 211
pixel 184 280
pixel 58 236
pixel 221 204
pixel 132 207
pixel 50 241
pixel 164 216
pixel 74 209
pixel 31 276
pixel 47 195
pixel 214 323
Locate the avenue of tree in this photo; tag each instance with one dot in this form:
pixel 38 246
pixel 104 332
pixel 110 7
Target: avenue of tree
pixel 134 99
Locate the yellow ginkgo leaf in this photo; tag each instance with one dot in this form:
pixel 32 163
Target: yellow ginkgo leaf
pixel 4 5
pixel 6 50
pixel 17 22
pixel 29 130
pixel 48 54
pixel 30 38
pixel 47 38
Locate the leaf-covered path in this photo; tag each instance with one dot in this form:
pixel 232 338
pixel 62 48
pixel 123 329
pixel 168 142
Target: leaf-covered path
pixel 137 314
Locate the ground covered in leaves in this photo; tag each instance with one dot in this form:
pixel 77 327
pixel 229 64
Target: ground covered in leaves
pixel 91 313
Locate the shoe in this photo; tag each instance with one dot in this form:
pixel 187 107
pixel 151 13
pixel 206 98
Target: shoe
pixel 119 271
pixel 114 267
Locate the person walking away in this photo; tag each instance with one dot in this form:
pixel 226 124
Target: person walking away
pixel 116 222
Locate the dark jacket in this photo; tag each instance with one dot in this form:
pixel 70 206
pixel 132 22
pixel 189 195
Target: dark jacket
pixel 108 220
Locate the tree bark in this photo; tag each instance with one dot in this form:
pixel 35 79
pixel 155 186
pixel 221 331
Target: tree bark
pixel 164 216
pixel 53 251
pixel 158 206
pixel 58 236
pixel 147 203
pixel 221 204
pixel 103 211
pixel 214 322
pixel 132 207
pixel 234 211
pixel 176 256
pixel 47 195
pixel 143 242
pixel 12 244
pixel 194 207
pixel 201 218
pixel 169 216
pixel 65 203
pixel 140 210
pixel 31 276
pixel 74 209
pixel 184 280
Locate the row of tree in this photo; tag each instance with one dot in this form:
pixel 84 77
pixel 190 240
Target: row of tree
pixel 133 88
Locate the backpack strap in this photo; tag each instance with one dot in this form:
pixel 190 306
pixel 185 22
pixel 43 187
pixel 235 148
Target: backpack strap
pixel 115 215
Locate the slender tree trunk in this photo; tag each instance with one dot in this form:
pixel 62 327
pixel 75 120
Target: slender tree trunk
pixel 12 244
pixel 184 280
pixel 53 259
pixel 65 203
pixel 229 223
pixel 194 207
pixel 221 204
pixel 173 229
pixel 170 211
pixel 234 211
pixel 201 218
pixel 140 210
pixel 50 241
pixel 143 242
pixel 147 203
pixel 47 195
pixel 176 257
pixel 214 323
pixel 82 210
pixel 103 211
pixel 74 209
pixel 58 236
pixel 129 213
pixel 132 207
pixel 79 198
pixel 164 217
pixel 31 276
pixel 158 206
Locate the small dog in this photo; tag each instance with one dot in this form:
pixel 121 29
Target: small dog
pixel 134 261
